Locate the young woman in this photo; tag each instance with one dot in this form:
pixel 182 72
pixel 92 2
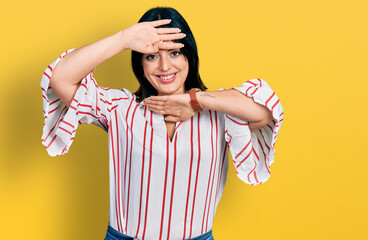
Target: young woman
pixel 168 141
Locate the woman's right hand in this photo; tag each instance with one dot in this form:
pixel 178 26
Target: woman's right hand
pixel 145 38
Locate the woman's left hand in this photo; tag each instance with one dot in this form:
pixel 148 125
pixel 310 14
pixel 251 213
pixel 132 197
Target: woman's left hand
pixel 175 108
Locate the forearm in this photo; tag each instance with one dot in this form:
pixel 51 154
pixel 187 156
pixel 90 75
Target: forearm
pixel 235 103
pixel 74 66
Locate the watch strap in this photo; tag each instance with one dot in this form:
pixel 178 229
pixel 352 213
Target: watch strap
pixel 193 100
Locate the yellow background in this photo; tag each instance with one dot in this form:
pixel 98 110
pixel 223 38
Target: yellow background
pixel 312 53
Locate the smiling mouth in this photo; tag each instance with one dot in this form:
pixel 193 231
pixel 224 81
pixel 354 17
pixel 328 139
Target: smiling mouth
pixel 166 77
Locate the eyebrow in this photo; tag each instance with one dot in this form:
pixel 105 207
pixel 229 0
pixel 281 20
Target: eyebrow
pixel 169 50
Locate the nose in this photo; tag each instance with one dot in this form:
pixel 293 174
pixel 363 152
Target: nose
pixel 165 63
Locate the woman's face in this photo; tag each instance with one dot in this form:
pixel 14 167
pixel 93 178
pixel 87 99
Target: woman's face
pixel 166 70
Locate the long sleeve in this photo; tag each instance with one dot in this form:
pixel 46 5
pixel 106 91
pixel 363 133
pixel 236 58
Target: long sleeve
pixel 91 104
pixel 253 151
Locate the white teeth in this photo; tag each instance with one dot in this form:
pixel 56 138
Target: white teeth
pixel 167 77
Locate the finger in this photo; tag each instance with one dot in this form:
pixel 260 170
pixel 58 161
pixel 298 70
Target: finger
pixel 160 22
pixel 171 118
pixel 158 98
pixel 171 45
pixel 167 30
pixel 158 107
pixel 154 102
pixel 169 37
pixel 156 110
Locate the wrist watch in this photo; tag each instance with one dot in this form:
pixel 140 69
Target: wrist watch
pixel 193 99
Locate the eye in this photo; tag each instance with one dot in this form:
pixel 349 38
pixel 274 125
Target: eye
pixel 175 53
pixel 150 57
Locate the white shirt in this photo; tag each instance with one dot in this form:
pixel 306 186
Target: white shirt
pixel 162 189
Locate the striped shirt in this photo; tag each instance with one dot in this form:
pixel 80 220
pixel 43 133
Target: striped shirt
pixel 162 188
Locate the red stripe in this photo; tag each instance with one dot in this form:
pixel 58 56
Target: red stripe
pixel 172 188
pixel 45 98
pixel 85 105
pixel 264 140
pixel 64 150
pixel 213 175
pixel 122 98
pixel 255 153
pixel 164 193
pixel 270 127
pixel 93 80
pixel 255 176
pixel 54 101
pixel 130 164
pixel 251 171
pixel 84 85
pixel 264 155
pixel 53 110
pixel 243 149
pixel 72 107
pixel 104 118
pixel 251 82
pixel 260 82
pixel 140 197
pixel 195 185
pixel 246 92
pixel 43 89
pixel 96 102
pixel 51 142
pixel 148 187
pixel 220 175
pixel 242 124
pixel 278 100
pixel 105 101
pixel 49 67
pixel 57 121
pixel 65 130
pixel 118 160
pixel 269 99
pixel 178 126
pixel 210 173
pixel 103 125
pixel 127 142
pixel 244 159
pixel 46 75
pixel 190 174
pixel 87 113
pixel 255 90
pixel 67 123
pixel 112 108
pixel 116 204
